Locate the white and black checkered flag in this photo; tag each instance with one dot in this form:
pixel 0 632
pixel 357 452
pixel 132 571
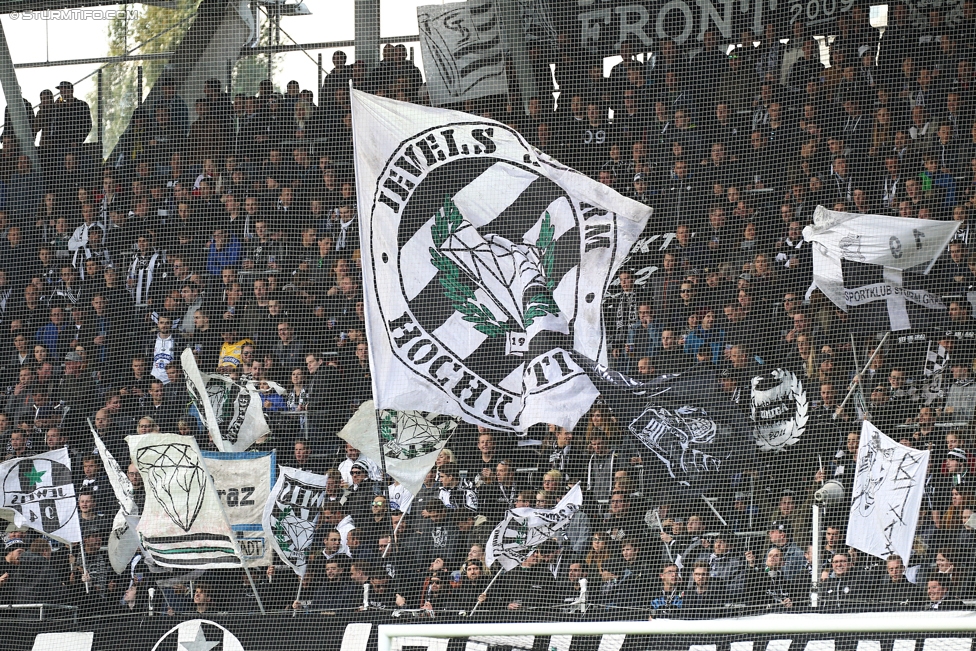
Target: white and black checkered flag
pixel 878 262
pixel 484 261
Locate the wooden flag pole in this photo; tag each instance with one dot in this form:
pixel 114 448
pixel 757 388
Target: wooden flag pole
pixel 84 565
pixel 301 582
pixel 857 378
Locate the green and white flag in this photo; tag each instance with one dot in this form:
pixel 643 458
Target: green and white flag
pixel 37 492
pixel 291 514
pixel 484 263
pixel 522 530
pixel 183 524
pixel 411 440
pixel 123 541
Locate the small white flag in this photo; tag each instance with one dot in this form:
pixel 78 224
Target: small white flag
pixel 522 530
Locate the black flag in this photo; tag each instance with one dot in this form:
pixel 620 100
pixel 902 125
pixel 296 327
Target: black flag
pixel 682 419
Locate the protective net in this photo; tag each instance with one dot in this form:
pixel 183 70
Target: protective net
pixel 554 312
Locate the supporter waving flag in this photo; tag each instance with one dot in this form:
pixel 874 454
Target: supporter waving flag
pixel 484 263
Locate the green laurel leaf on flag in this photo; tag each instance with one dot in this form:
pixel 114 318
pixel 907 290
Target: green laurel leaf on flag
pixel 279 531
pixel 456 288
pixel 387 423
pixel 542 303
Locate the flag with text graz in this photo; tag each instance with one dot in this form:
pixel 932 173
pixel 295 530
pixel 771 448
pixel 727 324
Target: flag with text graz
pixel 484 264
pixel 524 529
pixel 243 481
pixel 291 514
pixel 37 492
pixel 182 524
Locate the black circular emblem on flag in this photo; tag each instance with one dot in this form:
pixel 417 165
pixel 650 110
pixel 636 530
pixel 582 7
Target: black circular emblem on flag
pixel 483 279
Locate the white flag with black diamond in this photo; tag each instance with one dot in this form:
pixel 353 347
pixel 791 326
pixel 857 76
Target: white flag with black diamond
pixel 484 261
pixel 291 514
pixel 182 524
pixel 411 440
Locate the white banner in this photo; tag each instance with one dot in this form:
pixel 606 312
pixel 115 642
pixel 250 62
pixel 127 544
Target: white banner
pixel 123 541
pixel 291 514
pixel 411 440
pixel 887 495
pixel 896 243
pixel 461 43
pixel 183 524
pixel 484 262
pixel 522 530
pixel 38 492
pixel 232 411
pixel 243 481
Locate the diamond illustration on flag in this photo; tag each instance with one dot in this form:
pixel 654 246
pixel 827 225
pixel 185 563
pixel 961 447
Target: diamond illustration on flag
pixel 293 532
pixel 178 481
pixel 411 434
pixel 514 276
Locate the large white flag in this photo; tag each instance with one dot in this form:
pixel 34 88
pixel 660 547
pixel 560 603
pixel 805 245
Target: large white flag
pixel 411 440
pixel 123 541
pixel 243 481
pixel 232 411
pixel 37 492
pixel 861 259
pixel 887 495
pixel 484 261
pixel 182 524
pixel 291 514
pixel 522 530
pixel 462 43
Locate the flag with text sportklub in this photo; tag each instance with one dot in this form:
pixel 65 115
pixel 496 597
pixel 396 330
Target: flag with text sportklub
pixel 183 524
pixel 524 529
pixel 484 262
pixel 878 266
pixel 37 492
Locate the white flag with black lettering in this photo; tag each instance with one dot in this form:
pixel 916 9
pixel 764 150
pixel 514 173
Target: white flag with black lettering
pixel 461 42
pixel 484 262
pixel 524 529
pixel 877 261
pixel 243 481
pixel 291 514
pixel 887 494
pixel 37 492
pixel 232 411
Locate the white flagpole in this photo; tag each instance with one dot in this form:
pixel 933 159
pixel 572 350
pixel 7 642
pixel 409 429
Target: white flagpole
pixel 233 536
pixel 857 378
pixel 403 517
pixel 487 588
pixel 84 565
pixel 301 582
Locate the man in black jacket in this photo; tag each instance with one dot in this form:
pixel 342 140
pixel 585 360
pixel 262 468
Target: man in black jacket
pixel 896 593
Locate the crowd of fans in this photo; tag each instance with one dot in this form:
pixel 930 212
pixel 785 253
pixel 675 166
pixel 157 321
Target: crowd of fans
pixel 236 235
